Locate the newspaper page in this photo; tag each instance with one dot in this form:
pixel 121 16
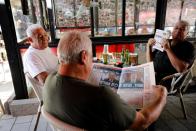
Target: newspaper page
pixel 105 75
pixel 159 36
pixel 133 84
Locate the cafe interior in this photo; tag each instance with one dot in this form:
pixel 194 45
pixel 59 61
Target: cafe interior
pixel 119 31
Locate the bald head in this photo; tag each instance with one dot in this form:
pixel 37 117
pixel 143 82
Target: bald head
pixel 180 30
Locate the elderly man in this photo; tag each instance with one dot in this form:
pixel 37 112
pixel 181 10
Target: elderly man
pixel 178 53
pixel 70 98
pixel 38 60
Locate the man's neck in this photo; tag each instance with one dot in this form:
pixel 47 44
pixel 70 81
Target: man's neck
pixel 38 48
pixel 72 70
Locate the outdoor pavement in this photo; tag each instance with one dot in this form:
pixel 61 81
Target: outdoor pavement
pixel 6 85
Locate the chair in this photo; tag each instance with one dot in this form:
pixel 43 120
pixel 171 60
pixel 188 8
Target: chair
pixel 2 108
pixel 178 88
pixel 190 79
pixel 58 125
pixel 37 87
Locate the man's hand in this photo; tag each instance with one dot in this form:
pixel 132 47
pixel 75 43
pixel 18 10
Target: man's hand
pixel 165 44
pixel 42 77
pixel 151 42
pixel 149 56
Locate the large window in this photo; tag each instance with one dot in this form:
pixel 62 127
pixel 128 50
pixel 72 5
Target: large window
pixel 37 14
pixel 140 17
pixel 70 15
pixel 107 17
pixel 181 10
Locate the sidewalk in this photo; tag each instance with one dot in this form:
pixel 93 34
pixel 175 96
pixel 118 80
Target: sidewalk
pixel 6 85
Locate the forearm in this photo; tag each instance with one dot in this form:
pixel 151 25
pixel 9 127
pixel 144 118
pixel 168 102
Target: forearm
pixel 152 112
pixel 149 53
pixel 42 77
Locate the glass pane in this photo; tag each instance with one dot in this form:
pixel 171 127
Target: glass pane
pixel 189 14
pixel 184 10
pixel 108 18
pixel 71 14
pixel 140 17
pixel 23 21
pixel 172 6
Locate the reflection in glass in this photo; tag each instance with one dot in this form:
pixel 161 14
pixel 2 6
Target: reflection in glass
pixel 71 14
pixel 108 18
pixel 181 10
pixel 23 21
pixel 140 16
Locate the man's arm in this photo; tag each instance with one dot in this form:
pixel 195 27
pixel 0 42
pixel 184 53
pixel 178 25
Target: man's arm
pixel 149 45
pixel 177 63
pixel 150 113
pixel 41 77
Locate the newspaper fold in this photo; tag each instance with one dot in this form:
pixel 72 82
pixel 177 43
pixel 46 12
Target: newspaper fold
pixel 133 84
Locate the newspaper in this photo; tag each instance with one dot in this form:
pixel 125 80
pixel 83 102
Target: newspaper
pixel 160 35
pixel 133 84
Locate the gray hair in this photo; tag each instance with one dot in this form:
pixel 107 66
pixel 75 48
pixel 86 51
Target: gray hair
pixel 70 46
pixel 30 30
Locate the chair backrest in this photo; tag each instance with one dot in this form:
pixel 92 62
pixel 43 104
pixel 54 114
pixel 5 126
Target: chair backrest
pixel 37 87
pixel 193 69
pixel 57 124
pixel 190 79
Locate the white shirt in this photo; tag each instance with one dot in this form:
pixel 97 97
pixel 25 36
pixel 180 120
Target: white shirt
pixel 36 61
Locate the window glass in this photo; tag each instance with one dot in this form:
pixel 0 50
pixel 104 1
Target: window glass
pixel 140 17
pixel 23 21
pixel 71 14
pixel 181 10
pixel 108 18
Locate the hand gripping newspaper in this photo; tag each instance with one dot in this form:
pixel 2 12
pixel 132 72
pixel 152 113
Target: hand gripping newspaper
pixel 133 84
pixel 160 35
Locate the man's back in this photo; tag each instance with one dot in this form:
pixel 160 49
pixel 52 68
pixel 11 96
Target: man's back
pixel 86 106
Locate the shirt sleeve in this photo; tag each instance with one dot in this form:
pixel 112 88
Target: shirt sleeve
pixel 34 65
pixel 121 114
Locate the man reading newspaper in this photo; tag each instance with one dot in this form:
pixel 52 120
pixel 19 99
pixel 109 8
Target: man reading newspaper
pixel 68 96
pixel 133 84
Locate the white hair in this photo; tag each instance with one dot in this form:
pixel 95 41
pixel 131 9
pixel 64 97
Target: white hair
pixel 30 30
pixel 71 45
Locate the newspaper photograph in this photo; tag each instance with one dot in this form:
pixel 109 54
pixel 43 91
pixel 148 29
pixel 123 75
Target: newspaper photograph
pixel 133 84
pixel 160 35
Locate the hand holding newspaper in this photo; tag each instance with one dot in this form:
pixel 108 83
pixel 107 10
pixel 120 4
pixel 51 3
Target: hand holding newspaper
pixel 160 35
pixel 133 84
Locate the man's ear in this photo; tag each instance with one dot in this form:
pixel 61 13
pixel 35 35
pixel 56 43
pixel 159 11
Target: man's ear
pixel 83 57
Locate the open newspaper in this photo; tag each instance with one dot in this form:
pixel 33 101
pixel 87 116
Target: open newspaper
pixel 133 84
pixel 160 35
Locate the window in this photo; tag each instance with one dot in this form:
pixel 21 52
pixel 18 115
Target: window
pixel 181 10
pixel 23 21
pixel 71 14
pixel 140 17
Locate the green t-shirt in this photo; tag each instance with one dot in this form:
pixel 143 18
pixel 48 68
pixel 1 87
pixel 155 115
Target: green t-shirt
pixel 86 106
